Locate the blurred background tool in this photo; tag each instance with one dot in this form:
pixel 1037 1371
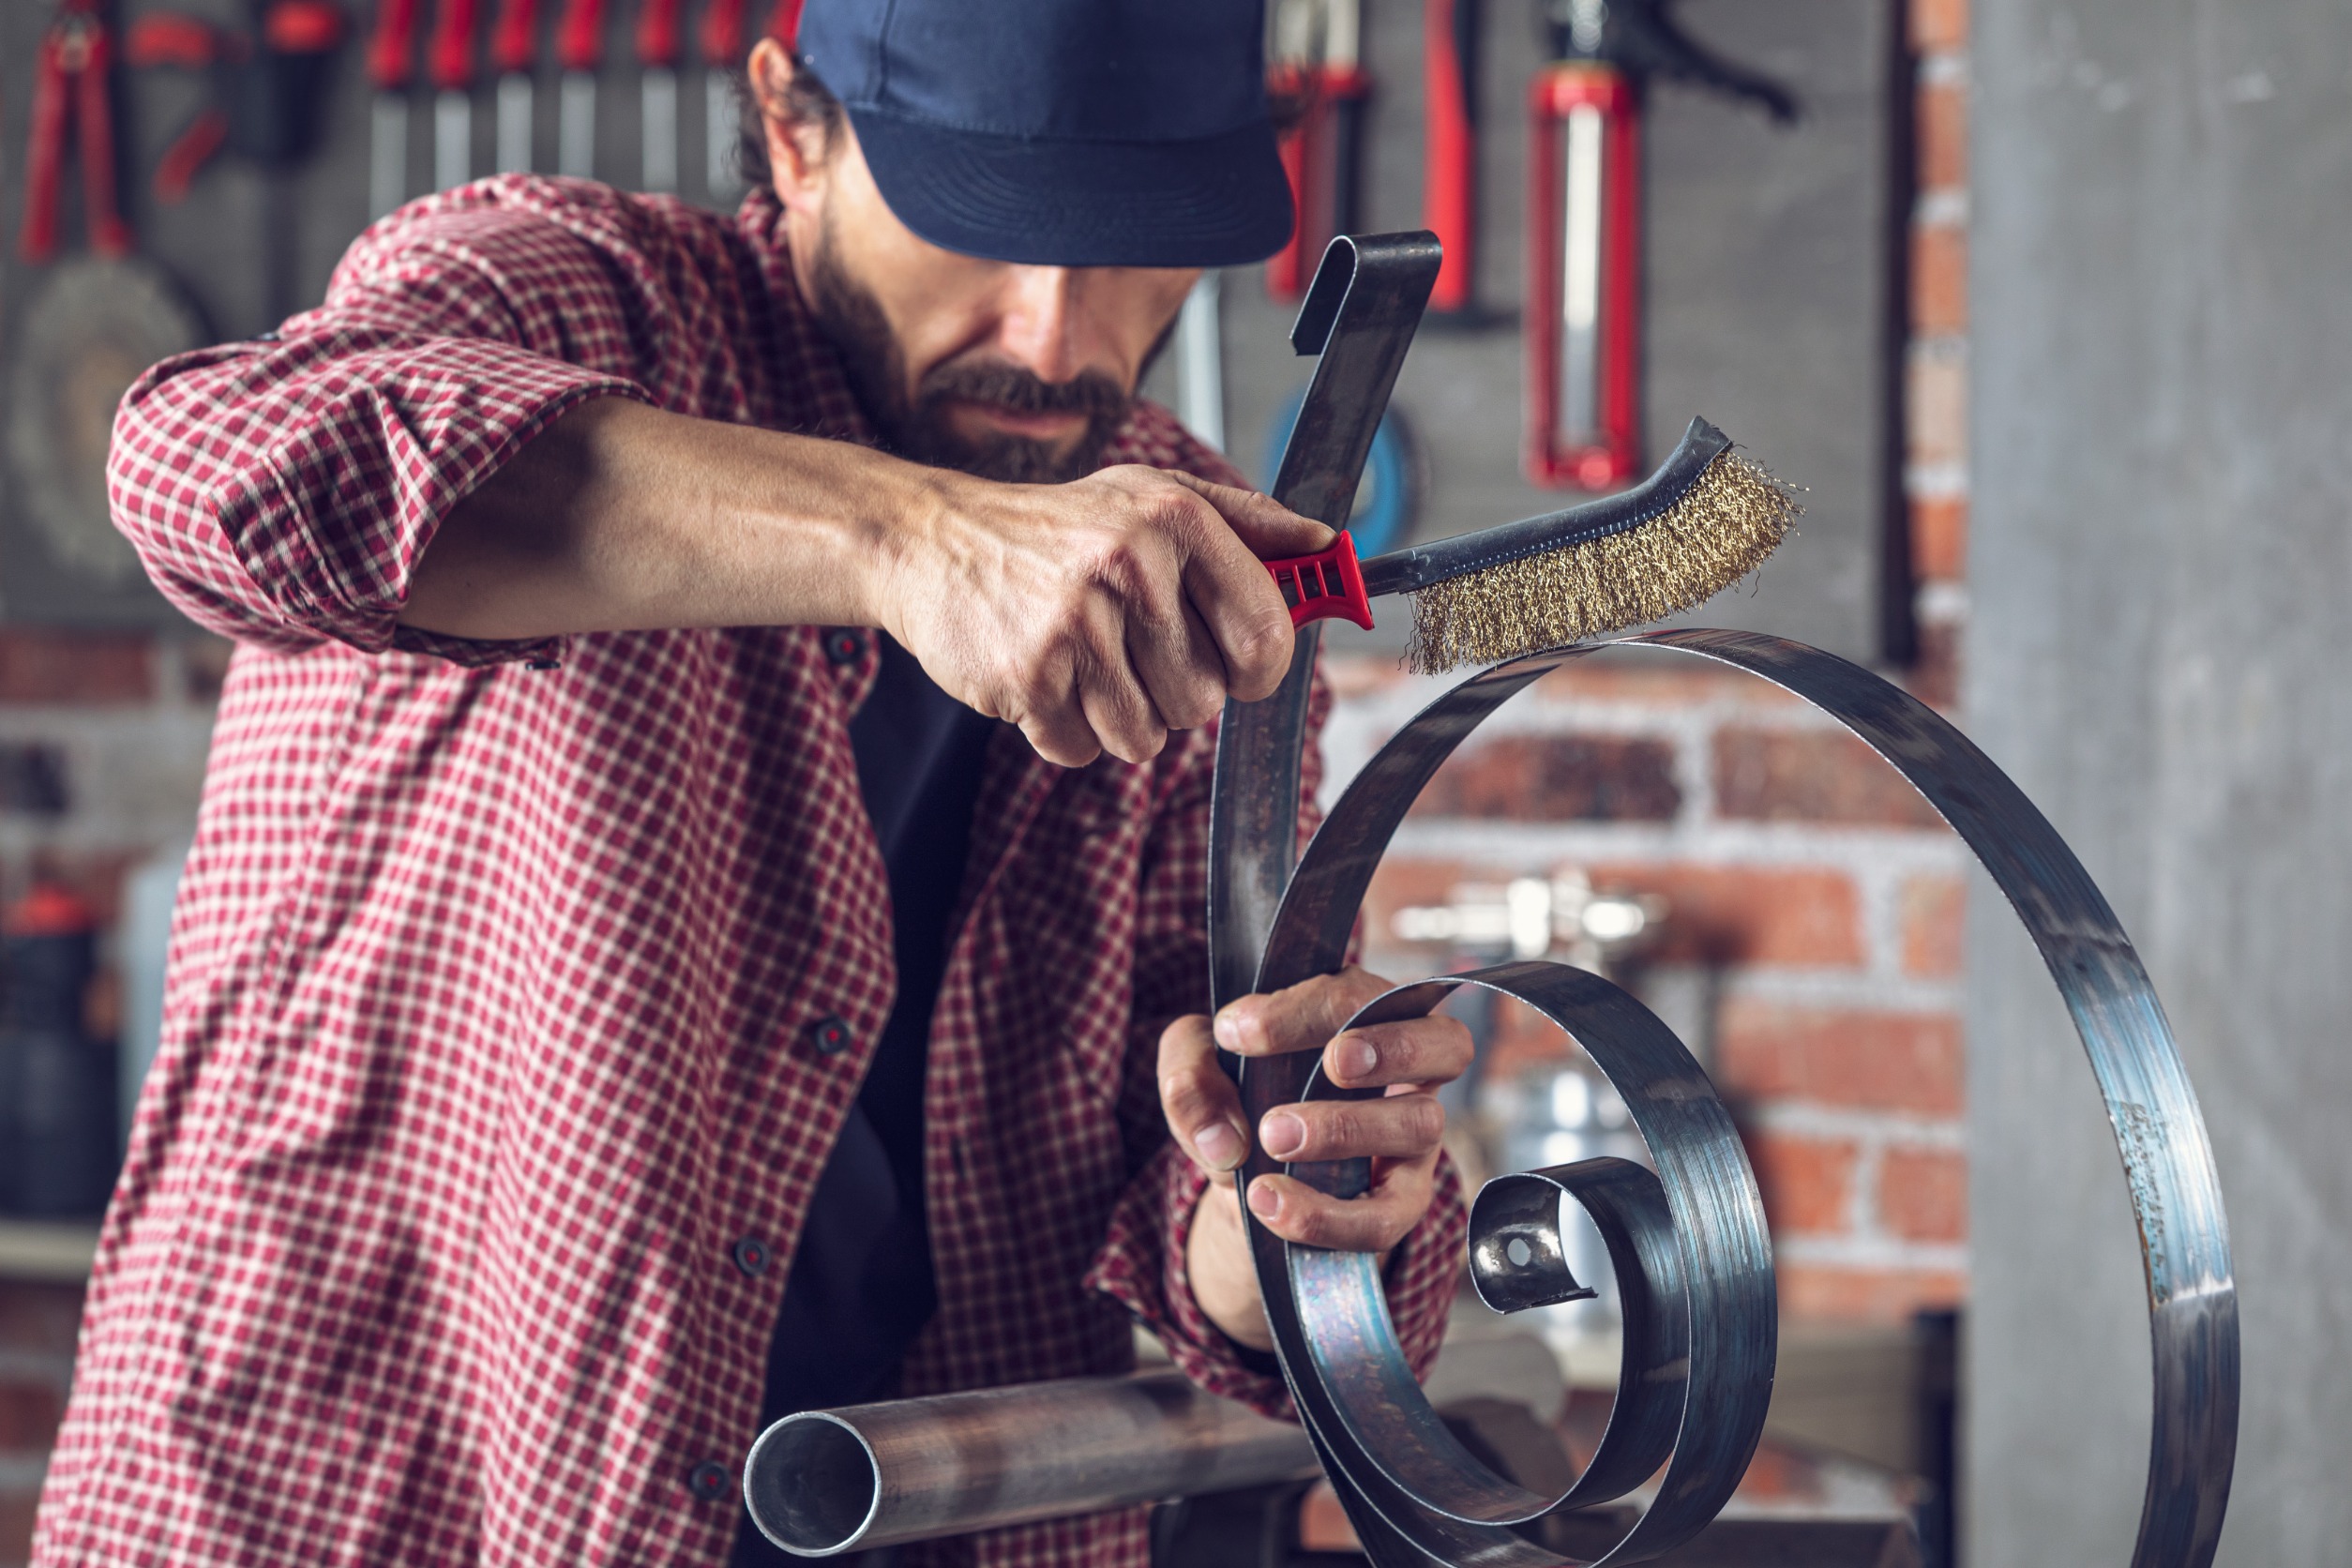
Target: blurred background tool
pixel 579 49
pixel 267 106
pixel 1316 63
pixel 451 62
pixel 514 50
pixel 1582 323
pixel 76 56
pixel 657 49
pixel 391 60
pixel 56 1082
pixel 1200 362
pixel 1449 162
pixel 721 40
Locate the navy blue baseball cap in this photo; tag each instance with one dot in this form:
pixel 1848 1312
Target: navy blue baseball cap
pixel 1063 132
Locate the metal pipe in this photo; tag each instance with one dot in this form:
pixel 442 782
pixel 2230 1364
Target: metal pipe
pixel 825 1482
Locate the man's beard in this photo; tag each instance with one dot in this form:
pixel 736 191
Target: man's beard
pixel 920 427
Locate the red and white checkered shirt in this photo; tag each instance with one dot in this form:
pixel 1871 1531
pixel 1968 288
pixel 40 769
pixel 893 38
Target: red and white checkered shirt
pixel 517 992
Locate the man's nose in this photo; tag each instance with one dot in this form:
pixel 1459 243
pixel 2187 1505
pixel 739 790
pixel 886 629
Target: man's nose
pixel 1040 326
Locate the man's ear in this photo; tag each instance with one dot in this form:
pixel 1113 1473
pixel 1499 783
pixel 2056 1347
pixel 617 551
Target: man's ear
pixel 796 150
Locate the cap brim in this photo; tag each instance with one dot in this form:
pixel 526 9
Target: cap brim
pixel 1220 201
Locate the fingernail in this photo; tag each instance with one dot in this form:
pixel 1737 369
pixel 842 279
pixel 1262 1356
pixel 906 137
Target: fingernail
pixel 1264 1200
pixel 1358 1057
pixel 1228 1029
pixel 1220 1144
pixel 1280 1134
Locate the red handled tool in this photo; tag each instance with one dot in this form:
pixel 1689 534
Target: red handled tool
pixel 391 63
pixel 450 58
pixel 1324 586
pixel 514 50
pixel 720 38
pixel 267 90
pixel 658 45
pixel 579 49
pixel 1318 60
pixel 1449 159
pixel 69 96
pixel 1583 272
pixel 1582 324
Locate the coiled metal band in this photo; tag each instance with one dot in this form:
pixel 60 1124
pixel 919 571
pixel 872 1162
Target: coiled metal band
pixel 1688 1244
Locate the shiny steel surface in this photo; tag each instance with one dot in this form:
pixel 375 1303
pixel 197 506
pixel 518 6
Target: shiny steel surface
pixel 826 1482
pixel 1700 1280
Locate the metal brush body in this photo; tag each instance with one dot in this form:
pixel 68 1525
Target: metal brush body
pixel 1420 566
pixel 1704 520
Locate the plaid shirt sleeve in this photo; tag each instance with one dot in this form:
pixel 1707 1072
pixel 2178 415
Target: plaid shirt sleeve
pixel 281 492
pixel 1142 1265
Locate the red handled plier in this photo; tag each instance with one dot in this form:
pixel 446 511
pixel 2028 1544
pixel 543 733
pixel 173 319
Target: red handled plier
pixel 76 54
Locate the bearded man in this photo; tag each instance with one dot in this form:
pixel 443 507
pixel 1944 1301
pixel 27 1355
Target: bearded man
pixel 699 906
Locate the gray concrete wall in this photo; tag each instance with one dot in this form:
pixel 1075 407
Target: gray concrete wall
pixel 2162 559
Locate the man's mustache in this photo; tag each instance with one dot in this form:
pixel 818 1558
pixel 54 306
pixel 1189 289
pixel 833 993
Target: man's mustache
pixel 995 383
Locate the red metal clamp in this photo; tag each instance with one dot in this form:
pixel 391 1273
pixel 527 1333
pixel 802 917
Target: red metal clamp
pixel 1324 586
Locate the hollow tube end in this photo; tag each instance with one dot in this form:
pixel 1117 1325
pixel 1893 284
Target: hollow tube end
pixel 812 1485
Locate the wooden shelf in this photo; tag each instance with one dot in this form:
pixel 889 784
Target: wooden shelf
pixel 43 1249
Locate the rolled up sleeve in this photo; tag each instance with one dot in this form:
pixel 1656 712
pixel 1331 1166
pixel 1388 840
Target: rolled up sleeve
pixel 282 490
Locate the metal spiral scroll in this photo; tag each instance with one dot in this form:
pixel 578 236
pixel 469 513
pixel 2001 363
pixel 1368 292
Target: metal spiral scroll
pixel 1688 1244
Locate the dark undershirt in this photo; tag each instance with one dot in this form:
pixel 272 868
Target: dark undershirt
pixel 861 1285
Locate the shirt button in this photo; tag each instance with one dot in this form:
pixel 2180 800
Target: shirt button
pixel 751 1257
pixel 844 646
pixel 830 1036
pixel 707 1481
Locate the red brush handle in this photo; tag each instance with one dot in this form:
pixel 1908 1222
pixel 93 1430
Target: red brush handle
pixel 659 33
pixel 1324 586
pixel 450 55
pixel 1609 453
pixel 391 49
pixel 1449 148
pixel 721 35
pixel 784 24
pixel 580 36
pixel 515 36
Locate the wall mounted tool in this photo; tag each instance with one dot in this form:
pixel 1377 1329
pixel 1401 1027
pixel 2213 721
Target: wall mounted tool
pixel 71 101
pixel 391 64
pixel 450 63
pixel 514 52
pixel 1317 63
pixel 579 49
pixel 1449 158
pixel 269 85
pixel 1584 230
pixel 720 38
pixel 660 42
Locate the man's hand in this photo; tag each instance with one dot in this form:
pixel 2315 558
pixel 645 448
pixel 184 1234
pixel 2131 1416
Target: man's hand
pixel 1098 615
pixel 1399 1132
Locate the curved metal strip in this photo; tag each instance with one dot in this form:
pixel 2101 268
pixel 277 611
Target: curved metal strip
pixel 1712 1337
pixel 1361 313
pixel 2167 1159
pixel 1331 1296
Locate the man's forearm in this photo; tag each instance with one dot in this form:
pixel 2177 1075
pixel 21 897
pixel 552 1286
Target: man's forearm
pixel 618 517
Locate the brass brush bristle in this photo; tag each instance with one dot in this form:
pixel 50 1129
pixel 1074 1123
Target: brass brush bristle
pixel 1717 532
